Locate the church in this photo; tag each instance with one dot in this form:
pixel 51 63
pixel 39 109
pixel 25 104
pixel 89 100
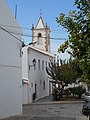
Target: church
pixel 35 59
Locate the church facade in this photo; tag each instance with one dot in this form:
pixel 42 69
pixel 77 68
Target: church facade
pixel 35 59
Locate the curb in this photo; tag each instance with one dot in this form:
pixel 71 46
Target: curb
pixel 54 102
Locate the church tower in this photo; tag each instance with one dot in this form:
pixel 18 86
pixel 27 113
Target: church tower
pixel 41 35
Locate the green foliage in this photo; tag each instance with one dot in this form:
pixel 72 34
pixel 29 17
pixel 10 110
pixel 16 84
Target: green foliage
pixel 78 91
pixel 63 74
pixel 67 92
pixel 56 94
pixel 67 73
pixel 76 68
pixel 77 25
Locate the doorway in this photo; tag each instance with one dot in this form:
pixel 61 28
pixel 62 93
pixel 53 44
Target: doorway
pixel 35 90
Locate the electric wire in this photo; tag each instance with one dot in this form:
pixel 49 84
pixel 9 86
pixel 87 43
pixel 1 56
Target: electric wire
pixel 27 28
pixel 10 66
pixel 10 34
pixel 26 35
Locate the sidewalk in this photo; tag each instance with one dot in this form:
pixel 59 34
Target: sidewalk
pixel 18 117
pixel 49 100
pixel 44 99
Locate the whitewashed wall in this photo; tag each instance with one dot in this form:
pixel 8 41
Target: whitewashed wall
pixel 25 63
pixel 10 65
pixel 36 76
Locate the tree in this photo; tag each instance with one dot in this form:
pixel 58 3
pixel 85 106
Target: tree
pixel 62 74
pixel 74 64
pixel 79 90
pixel 77 25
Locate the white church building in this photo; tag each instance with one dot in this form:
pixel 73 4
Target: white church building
pixel 10 64
pixel 35 59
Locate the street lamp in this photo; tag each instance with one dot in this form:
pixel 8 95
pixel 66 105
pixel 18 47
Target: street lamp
pixel 33 64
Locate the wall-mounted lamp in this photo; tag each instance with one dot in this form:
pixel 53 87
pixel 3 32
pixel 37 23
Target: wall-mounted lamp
pixel 33 64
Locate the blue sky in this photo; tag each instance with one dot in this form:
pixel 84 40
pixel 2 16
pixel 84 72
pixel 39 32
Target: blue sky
pixel 28 13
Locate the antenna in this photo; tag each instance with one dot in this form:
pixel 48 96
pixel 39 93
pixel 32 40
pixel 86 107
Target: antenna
pixel 16 12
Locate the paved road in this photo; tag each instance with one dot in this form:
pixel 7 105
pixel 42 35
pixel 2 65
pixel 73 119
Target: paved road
pixel 53 111
pixel 45 109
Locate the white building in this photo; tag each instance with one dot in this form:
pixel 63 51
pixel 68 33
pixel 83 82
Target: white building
pixel 35 78
pixel 10 64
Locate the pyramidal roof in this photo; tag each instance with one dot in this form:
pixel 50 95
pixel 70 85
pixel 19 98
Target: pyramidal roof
pixel 40 23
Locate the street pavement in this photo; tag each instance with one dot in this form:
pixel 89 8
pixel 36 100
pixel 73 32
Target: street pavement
pixel 62 111
pixel 46 109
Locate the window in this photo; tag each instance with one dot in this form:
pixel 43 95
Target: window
pixel 42 65
pixel 29 67
pixel 39 35
pixel 44 85
pixel 34 67
pixel 39 64
pixel 46 64
pixel 39 39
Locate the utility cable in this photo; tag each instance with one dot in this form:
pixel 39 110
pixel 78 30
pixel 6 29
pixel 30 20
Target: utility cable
pixel 10 33
pixel 27 28
pixel 10 66
pixel 26 35
pixel 15 27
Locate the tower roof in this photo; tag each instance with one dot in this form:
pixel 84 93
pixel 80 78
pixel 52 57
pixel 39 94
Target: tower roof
pixel 40 23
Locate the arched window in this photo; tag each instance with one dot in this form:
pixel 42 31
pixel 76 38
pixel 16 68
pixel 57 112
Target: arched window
pixel 39 38
pixel 39 35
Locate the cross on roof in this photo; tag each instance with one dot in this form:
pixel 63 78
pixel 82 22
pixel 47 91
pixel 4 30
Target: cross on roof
pixel 40 12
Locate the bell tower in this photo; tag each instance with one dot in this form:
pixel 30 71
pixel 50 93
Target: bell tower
pixel 41 35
